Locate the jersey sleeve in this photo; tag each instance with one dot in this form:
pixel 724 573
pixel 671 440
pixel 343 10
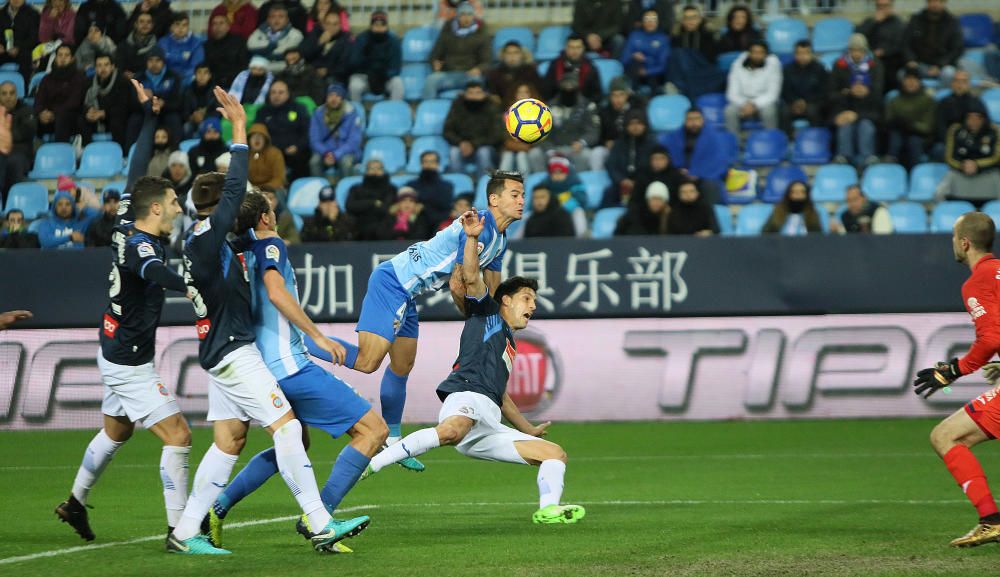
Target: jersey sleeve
pixel 270 253
pixel 481 307
pixel 140 254
pixel 981 299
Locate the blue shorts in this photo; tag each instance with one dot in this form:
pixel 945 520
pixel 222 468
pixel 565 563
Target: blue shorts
pixel 388 310
pixel 323 401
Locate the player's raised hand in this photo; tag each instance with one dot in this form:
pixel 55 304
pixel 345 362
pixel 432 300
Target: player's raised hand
pixel 229 107
pixel 10 317
pixel 541 430
pixel 140 92
pixel 337 351
pixel 930 380
pixel 472 223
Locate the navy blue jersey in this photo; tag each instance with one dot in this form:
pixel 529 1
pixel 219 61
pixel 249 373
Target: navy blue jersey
pixel 217 275
pixel 486 353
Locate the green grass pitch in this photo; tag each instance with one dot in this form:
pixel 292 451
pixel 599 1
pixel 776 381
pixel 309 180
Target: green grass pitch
pixel 861 498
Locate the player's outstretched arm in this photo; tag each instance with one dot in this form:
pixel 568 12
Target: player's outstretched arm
pixel 292 310
pixel 10 317
pixel 518 421
pixel 235 187
pixel 492 279
pixel 473 225
pixel 144 142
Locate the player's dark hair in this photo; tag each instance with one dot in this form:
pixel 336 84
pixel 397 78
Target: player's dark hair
pixel 207 190
pixel 146 191
pixel 979 229
pixel 499 178
pixel 513 285
pixel 254 206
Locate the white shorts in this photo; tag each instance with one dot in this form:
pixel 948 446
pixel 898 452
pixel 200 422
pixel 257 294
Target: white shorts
pixel 489 439
pixel 135 392
pixel 241 387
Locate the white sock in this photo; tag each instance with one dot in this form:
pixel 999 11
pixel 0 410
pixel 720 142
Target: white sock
pixel 209 481
pixel 550 482
pixel 416 443
pixel 99 453
pixel 174 475
pixel 297 472
pixel 390 441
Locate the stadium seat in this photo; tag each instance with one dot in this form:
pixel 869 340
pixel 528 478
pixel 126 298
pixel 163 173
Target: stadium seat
pixel 751 219
pixel 908 217
pixel 595 181
pixel 551 41
pixel 389 149
pixel 531 181
pixel 400 180
pixel 765 147
pixel 418 43
pixel 100 160
pixel 118 185
pixel 31 197
pixel 608 69
pixel 15 77
pixel 725 219
pixel 977 29
pixel 480 199
pixel 128 160
pixel 812 146
pixel 831 34
pixel 829 59
pixel 991 98
pixel 884 182
pixel 605 221
pixel 543 68
pixel 36 79
pixel 783 33
pixel 731 143
pixel 430 117
pixel 945 214
pixel 462 182
pixel 303 195
pixel 299 222
pixel 778 181
pixel 362 113
pixel 713 106
pixel 924 180
pixel 414 75
pixel 12 66
pixel 53 159
pixel 726 60
pixel 831 181
pixel 521 34
pixel 187 145
pixel 423 144
pixel 992 209
pixel 344 188
pixel 389 118
pixel 666 112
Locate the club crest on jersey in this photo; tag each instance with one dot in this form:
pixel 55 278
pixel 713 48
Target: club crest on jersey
pixel 479 248
pixel 145 250
pixel 162 389
pixel 202 226
pixel 276 401
pixel 976 310
pixel 272 253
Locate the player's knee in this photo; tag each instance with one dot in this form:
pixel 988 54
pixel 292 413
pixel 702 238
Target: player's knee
pixel 380 434
pixel 448 434
pixel 401 366
pixel 179 438
pixel 555 452
pixel 120 435
pixel 942 439
pixel 231 446
pixel 367 363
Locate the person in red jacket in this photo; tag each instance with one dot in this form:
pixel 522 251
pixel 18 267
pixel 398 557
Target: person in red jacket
pixel 979 420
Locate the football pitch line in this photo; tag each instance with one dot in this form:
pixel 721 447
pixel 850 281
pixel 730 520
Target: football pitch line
pixel 655 502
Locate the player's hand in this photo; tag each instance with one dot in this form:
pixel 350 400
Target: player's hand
pixel 472 223
pixel 10 317
pixel 140 92
pixel 939 376
pixel 337 351
pixel 230 107
pixel 540 430
pixel 992 373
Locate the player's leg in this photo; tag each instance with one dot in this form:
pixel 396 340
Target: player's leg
pixel 392 392
pixel 551 461
pixel 452 430
pixel 173 430
pixel 368 435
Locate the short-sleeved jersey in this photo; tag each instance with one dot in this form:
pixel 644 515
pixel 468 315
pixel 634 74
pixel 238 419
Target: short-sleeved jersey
pixel 485 355
pixel 279 341
pixel 981 295
pixel 426 265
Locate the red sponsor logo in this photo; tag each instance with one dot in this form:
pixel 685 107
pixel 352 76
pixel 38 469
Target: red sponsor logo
pixel 203 326
pixel 162 389
pixel 110 326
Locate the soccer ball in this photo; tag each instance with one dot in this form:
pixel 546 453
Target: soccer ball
pixel 528 120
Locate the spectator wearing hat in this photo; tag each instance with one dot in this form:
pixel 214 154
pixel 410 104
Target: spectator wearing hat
pixel 287 121
pixel 164 84
pixel 94 44
pixel 67 223
pixel 629 154
pixel 512 71
pixel 795 214
pixel 14 233
pixel 23 22
pixel 199 99
pixel 856 84
pixel 201 157
pixel 462 51
pixel 369 201
pixel 565 184
pixel 225 52
pixel 648 218
pixel 433 192
pixel 573 65
pixel 660 169
pixel 286 227
pixel 910 119
pixel 107 103
pixel 240 15
pixel 376 61
pixel 972 152
pixel 100 228
pixel 60 97
pixel 335 135
pixel 23 127
pixel 933 42
pixel 328 48
pixel 547 218
pixel 804 85
pixel 267 164
pixel 407 219
pixel 132 52
pixel 56 22
pixel 473 131
pixel 701 154
pixel 328 223
pixel 252 85
pixel 645 55
pixel 300 77
pixel 275 36
pixel 178 172
pixel 576 130
pixel 599 23
pixel 183 50
pixel 448 9
pixel 108 14
pixel 754 88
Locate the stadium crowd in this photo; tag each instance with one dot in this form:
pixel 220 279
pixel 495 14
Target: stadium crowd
pixel 662 123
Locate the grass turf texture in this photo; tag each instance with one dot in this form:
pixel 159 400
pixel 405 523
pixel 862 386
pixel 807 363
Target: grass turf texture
pixel 768 498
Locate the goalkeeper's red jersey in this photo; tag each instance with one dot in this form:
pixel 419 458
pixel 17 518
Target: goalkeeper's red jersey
pixel 981 294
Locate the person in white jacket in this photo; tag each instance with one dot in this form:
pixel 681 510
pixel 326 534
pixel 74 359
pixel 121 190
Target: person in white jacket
pixel 754 88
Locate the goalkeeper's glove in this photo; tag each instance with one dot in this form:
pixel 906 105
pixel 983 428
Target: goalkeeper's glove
pixel 992 373
pixel 941 375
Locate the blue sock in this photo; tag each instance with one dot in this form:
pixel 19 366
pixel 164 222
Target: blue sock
pixel 396 430
pixel 349 360
pixel 393 397
pixel 260 468
pixel 349 466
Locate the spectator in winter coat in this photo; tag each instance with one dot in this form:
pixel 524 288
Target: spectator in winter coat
pixel 660 169
pixel 162 147
pixel 612 115
pixel 645 55
pixel 241 16
pixel 690 214
pixel 297 13
pixel 548 218
pixel 795 214
pixel 701 153
pixel 884 31
pixel 862 215
pixel 320 8
pixel 512 71
pixel 178 172
pixel 287 122
pixel 132 53
pixel 694 51
pixel 910 120
pixel 804 84
pixel 225 53
pixel 14 233
pixel 100 228
pixel 65 227
pixel 23 22
pixel 462 52
pixel 740 32
pixel 448 9
pixel 267 164
pixel 856 102
pixel 933 42
pixel 972 151
pixel 274 37
pixel 369 201
pixel 472 130
pixel 60 96
pixel 328 49
pixel 650 218
pixel 628 156
pixel 23 127
pixel 576 129
pixel 164 84
pixel 202 156
pixel 95 43
pixel 56 22
pixel 159 10
pixel 300 77
pixel 599 23
pixel 407 219
pixel 754 88
pixel 107 14
pixel 573 65
pixel 199 100
pixel 952 108
pixel 107 103
pixel 252 85
pixel 566 186
pixel 335 135
pixel 433 192
pixel 636 8
pixel 376 61
pixel 183 50
pixel 329 223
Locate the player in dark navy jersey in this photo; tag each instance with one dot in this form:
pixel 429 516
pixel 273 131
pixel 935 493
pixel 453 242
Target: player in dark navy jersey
pixel 475 393
pixel 133 391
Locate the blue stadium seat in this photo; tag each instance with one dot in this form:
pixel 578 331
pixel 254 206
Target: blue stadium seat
pixel 299 222
pixel 666 112
pixel 400 180
pixel 551 41
pixel 543 67
pixel 924 180
pixel 726 60
pixel 12 66
pixel 521 34
pixel 418 43
pixel 712 106
pixel 977 29
pixel 462 182
pixel 187 145
pixel 884 182
pixel 430 117
pixel 53 159
pixel 605 221
pixel 344 188
pixel 303 195
pixel 359 108
pixel 751 219
pixel 908 217
pixel 389 149
pixel 765 147
pixel 100 160
pixel 831 34
pixel 595 181
pixel 991 98
pixel 531 181
pixel 725 219
pixel 389 118
pixel 118 185
pixel 423 144
pixel 731 143
pixel 829 59
pixel 778 181
pixel 831 181
pixel 992 210
pixel 608 69
pixel 36 79
pixel 812 146
pixel 480 199
pixel 414 75
pixel 782 34
pixel 945 214
pixel 15 77
pixel 31 197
